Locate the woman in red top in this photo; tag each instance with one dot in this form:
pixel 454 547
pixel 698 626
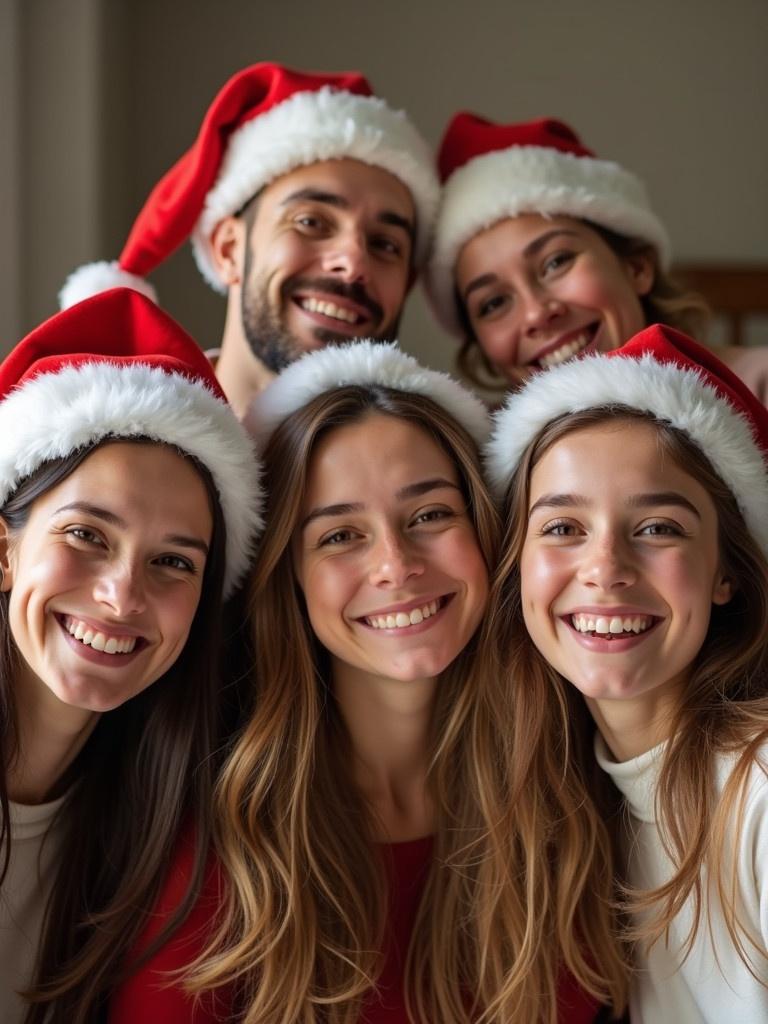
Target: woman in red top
pixel 368 848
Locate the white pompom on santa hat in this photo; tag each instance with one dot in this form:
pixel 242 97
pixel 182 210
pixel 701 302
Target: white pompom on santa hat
pixel 665 374
pixel 117 366
pixel 266 121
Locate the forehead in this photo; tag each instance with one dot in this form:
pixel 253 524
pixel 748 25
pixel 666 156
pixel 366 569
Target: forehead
pixel 379 453
pixel 150 480
pixel 357 183
pixel 613 455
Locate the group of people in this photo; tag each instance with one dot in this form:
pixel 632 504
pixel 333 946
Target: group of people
pixel 330 694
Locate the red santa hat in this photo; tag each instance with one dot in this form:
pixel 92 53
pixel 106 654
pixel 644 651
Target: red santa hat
pixel 266 121
pixel 369 363
pixel 493 171
pixel 664 373
pixel 117 366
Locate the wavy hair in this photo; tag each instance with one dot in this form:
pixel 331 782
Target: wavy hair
pixel 306 905
pixel 667 302
pixel 145 769
pixel 724 709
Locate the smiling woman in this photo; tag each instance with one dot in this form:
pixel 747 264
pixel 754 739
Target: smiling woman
pixel 363 820
pixel 128 503
pixel 631 611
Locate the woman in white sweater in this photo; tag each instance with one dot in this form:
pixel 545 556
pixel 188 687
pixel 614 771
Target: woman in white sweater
pixel 631 611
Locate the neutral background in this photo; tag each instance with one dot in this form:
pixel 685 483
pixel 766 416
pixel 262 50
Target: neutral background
pixel 99 97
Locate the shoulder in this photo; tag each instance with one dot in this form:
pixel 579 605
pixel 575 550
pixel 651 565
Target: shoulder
pixel 154 991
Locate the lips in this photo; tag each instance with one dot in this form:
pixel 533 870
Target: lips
pixel 102 639
pixel 404 617
pixel 566 347
pixel 348 304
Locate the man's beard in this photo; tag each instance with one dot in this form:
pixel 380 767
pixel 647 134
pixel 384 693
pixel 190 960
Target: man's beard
pixel 269 339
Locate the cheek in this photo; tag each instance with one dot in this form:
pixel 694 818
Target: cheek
pixel 327 590
pixel 543 574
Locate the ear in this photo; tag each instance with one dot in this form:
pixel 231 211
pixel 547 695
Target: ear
pixel 641 267
pixel 228 241
pixel 5 561
pixel 723 589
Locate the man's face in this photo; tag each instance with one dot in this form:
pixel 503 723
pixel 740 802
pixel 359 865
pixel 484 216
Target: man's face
pixel 327 259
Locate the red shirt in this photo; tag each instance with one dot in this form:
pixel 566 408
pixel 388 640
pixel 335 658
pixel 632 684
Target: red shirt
pixel 148 997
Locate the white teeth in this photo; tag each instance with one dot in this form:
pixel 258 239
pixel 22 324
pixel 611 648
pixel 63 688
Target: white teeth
pixel 99 641
pixel 400 620
pixel 613 626
pixel 566 351
pixel 329 309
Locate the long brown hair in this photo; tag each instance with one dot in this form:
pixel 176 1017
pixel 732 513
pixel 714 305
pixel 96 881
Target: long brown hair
pixel 724 709
pixel 667 302
pixel 306 904
pixel 144 770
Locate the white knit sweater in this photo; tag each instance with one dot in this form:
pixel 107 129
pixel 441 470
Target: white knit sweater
pixel 712 985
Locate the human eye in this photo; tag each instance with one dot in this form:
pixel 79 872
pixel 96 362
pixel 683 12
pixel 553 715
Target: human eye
pixel 557 261
pixel 559 528
pixel 490 305
pixel 84 534
pixel 336 538
pixel 310 222
pixel 386 246
pixel 428 516
pixel 178 562
pixel 661 528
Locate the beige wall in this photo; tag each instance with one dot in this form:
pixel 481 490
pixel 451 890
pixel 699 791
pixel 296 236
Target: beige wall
pixel 676 91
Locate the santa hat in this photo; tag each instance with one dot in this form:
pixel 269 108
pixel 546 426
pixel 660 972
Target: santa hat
pixel 365 362
pixel 266 121
pixel 117 366
pixel 493 171
pixel 664 373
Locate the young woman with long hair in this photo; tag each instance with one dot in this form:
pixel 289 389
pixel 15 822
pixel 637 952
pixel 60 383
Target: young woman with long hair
pixel 128 505
pixel 629 616
pixel 369 873
pixel 544 252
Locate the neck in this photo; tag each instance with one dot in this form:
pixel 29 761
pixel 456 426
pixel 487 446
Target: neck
pixel 239 372
pixel 389 722
pixel 632 727
pixel 50 736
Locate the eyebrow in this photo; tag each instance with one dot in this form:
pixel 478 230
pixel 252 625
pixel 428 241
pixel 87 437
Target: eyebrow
pixel 415 490
pixel 317 195
pixel 532 249
pixel 649 500
pixel 112 519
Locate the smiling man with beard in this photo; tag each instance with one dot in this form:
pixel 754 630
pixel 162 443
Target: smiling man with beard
pixel 308 200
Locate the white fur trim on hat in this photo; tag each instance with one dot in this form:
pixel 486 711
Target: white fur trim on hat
pixel 363 362
pixel 54 414
pixel 328 124
pixel 670 393
pixel 94 278
pixel 533 179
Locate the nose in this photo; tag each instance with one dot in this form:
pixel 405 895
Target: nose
pixel 347 257
pixel 607 564
pixel 540 309
pixel 393 561
pixel 120 587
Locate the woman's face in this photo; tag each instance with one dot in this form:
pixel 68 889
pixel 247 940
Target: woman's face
pixel 386 554
pixel 106 575
pixel 538 291
pixel 620 565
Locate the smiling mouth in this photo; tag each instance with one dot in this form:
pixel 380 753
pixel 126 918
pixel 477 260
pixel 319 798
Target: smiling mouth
pixel 402 620
pixel 331 310
pixel 107 643
pixel 566 351
pixel 611 627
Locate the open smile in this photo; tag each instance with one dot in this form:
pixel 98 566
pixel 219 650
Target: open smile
pixel 332 312
pixel 92 639
pixel 406 618
pixel 566 347
pixel 610 632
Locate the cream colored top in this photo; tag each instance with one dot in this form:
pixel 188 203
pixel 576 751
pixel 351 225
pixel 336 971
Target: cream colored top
pixel 23 898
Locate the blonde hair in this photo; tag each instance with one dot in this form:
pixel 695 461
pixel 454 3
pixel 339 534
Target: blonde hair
pixel 724 709
pixel 303 924
pixel 667 302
